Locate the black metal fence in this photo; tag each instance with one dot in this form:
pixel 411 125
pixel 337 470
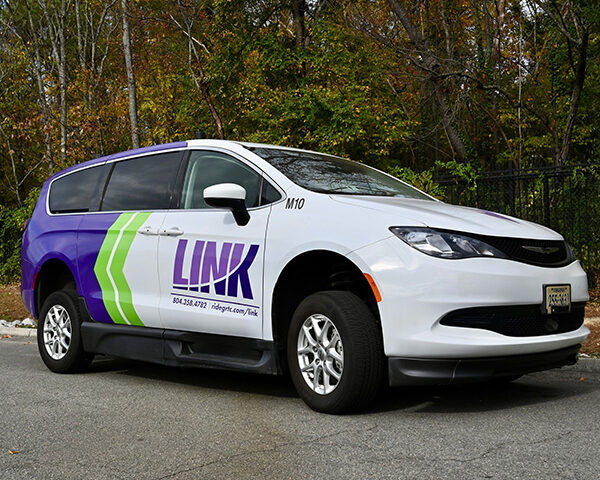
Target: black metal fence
pixel 566 199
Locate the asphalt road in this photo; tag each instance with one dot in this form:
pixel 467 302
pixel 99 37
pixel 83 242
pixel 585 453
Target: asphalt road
pixel 130 420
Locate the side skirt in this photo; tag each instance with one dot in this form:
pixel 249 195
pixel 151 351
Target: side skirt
pixel 184 349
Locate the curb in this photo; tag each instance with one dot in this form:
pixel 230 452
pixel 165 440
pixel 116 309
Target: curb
pixel 591 365
pixel 18 332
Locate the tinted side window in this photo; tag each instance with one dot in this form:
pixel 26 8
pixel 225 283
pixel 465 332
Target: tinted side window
pixel 75 191
pixel 269 193
pixel 144 183
pixel 211 168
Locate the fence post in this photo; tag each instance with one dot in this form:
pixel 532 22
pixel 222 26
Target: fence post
pixel 573 214
pixel 546 201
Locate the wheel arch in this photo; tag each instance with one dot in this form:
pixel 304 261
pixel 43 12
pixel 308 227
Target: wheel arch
pixel 310 272
pixel 54 274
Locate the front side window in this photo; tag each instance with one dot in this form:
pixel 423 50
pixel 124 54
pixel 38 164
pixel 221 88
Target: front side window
pixel 143 183
pixel 74 192
pixel 327 174
pixel 207 168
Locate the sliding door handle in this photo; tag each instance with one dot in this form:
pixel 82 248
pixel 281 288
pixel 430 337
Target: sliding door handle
pixel 170 232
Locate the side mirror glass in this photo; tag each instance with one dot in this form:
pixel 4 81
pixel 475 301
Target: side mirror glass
pixel 230 196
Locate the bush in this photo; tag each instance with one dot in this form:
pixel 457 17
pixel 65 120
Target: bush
pixel 12 221
pixel 422 180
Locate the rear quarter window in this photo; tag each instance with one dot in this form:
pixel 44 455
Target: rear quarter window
pixel 76 191
pixel 143 183
pixel 269 193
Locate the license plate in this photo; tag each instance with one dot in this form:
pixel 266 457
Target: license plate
pixel 557 299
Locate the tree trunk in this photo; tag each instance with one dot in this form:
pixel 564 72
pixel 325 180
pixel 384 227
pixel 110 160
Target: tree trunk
pixel 56 32
pixel 133 118
pixel 14 171
pixel 298 7
pixel 37 66
pixel 62 79
pixel 202 82
pixel 202 86
pixel 80 42
pixel 500 16
pixel 575 96
pixel 432 66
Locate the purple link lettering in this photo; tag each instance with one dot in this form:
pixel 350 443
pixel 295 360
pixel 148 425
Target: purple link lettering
pixel 224 270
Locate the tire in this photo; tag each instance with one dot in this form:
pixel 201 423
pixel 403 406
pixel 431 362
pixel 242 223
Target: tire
pixel 60 315
pixel 359 347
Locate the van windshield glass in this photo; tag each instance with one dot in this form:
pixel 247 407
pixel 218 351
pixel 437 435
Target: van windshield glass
pixel 327 174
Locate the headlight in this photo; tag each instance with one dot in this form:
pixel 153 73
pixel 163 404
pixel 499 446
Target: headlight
pixel 445 244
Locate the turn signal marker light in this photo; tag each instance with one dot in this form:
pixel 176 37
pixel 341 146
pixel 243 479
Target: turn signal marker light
pixel 373 287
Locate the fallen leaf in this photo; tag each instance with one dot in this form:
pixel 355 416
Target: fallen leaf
pixel 6 336
pixel 12 452
pixel 582 379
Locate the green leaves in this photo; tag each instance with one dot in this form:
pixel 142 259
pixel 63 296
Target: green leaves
pixel 356 86
pixel 12 222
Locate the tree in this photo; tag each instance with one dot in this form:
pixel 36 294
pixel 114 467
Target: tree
pixel 131 85
pixel 56 18
pixel 570 20
pixel 189 15
pixel 96 24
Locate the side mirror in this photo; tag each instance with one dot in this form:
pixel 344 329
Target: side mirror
pixel 231 196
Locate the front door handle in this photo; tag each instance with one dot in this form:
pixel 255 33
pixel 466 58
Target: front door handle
pixel 147 230
pixel 170 232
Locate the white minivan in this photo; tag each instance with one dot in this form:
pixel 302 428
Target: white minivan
pixel 260 258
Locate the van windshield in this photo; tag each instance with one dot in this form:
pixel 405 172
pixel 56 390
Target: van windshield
pixel 326 174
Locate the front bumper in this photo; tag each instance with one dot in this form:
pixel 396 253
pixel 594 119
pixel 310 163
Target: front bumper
pixel 418 291
pixel 427 371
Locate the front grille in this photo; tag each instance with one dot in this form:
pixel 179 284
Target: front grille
pixel 517 321
pixel 543 253
pixel 548 253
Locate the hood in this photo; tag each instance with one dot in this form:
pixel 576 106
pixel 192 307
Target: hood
pixel 410 212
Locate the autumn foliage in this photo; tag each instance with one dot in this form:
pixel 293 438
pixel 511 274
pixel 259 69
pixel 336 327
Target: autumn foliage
pixel 397 84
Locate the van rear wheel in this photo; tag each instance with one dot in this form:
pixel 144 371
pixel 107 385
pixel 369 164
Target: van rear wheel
pixel 59 334
pixel 335 352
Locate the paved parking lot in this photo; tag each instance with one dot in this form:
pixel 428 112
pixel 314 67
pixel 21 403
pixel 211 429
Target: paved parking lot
pixel 132 420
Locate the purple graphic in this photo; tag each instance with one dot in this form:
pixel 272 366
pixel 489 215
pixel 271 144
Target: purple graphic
pixel 497 215
pixel 221 270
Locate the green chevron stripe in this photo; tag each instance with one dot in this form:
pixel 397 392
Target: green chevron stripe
pixel 101 268
pixel 118 264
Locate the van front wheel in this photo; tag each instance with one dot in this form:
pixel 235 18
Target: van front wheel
pixel 335 352
pixel 59 334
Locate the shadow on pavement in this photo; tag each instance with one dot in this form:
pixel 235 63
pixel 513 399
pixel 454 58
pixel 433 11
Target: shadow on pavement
pixel 529 390
pixel 277 386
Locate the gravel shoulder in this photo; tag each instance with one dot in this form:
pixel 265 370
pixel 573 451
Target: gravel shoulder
pixel 11 305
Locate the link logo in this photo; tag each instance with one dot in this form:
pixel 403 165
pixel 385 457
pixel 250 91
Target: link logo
pixel 224 272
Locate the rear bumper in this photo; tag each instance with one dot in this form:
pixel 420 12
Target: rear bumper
pixel 27 276
pixel 424 371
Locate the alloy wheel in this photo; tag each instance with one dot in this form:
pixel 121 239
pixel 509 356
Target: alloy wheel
pixel 320 354
pixel 57 332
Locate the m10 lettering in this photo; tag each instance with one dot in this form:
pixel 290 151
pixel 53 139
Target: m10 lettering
pixel 294 203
